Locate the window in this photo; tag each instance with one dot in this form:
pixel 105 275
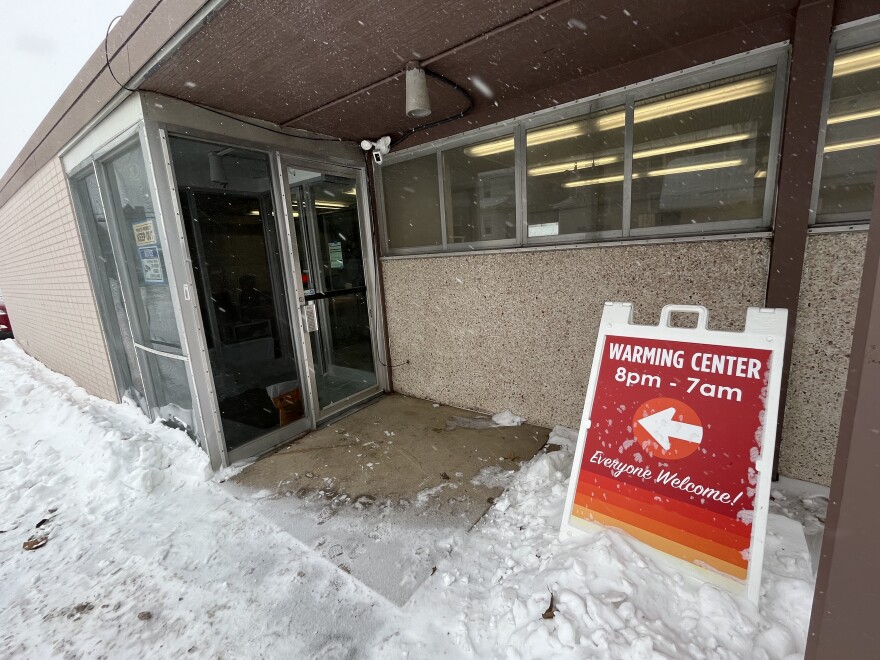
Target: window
pixel 700 155
pixel 479 192
pixel 669 158
pixel 574 176
pixel 412 203
pixel 852 138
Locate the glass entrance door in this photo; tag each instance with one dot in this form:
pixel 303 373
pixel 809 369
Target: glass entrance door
pixel 326 217
pixel 226 202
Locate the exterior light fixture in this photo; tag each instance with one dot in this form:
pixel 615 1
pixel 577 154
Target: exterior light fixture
pixel 417 102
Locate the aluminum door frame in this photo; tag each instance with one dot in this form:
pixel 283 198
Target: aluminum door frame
pixel 358 174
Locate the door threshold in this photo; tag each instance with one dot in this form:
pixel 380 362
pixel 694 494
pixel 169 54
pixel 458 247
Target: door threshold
pixel 349 411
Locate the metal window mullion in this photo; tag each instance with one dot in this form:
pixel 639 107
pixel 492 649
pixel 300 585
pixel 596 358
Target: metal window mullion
pixel 290 256
pixel 382 215
pixel 367 226
pixel 629 125
pixel 441 182
pixel 520 162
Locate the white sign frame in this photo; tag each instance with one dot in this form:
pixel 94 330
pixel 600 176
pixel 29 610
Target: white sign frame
pixel 765 329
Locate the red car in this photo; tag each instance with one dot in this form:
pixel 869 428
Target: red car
pixel 5 324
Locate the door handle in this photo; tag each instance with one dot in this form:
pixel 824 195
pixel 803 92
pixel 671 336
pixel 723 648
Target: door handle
pixel 310 316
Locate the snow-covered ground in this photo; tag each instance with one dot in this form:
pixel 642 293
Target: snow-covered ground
pixel 147 555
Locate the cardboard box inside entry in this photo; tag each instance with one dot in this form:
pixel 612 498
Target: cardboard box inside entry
pixel 287 398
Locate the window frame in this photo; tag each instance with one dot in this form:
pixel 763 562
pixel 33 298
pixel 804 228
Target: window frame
pixel 851 36
pixel 776 56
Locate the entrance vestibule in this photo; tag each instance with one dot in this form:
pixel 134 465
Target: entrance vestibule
pixel 279 271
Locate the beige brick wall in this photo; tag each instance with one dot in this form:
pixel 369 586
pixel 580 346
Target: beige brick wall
pixel 44 280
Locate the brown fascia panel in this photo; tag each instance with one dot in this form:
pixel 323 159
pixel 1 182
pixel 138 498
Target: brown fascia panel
pixel 797 163
pixel 145 27
pixel 844 617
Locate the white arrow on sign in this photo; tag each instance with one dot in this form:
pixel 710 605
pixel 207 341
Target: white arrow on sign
pixel 661 427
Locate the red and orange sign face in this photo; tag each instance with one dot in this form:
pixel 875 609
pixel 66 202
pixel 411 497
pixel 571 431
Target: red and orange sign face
pixel 675 430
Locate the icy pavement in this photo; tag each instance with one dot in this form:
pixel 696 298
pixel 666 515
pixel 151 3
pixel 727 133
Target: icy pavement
pixel 146 555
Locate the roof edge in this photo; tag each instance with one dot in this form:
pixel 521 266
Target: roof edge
pixel 145 28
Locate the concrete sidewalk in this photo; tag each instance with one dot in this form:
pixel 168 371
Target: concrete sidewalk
pixel 378 491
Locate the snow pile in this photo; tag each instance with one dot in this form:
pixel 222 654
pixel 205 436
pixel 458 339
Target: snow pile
pixel 138 552
pixel 507 418
pixel 512 589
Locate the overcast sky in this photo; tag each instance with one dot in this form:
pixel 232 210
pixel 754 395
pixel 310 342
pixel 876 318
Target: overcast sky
pixel 43 44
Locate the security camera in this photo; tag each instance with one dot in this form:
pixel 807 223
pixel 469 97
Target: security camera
pixel 379 148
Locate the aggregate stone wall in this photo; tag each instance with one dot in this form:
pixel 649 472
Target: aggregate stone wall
pixel 517 330
pixel 46 286
pixel 820 354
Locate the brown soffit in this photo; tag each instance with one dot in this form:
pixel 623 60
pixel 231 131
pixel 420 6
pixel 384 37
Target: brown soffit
pixel 294 72
pixel 353 115
pixel 146 26
pixel 278 60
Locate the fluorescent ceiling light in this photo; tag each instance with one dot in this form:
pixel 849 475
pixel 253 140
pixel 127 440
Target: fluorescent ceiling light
pixel 352 191
pixel 533 138
pixel 853 144
pixel 761 174
pixel 698 167
pixel 254 212
pixel 856 62
pixel 326 204
pixel 854 116
pixel 687 102
pixel 687 146
pixel 694 101
pixel 593 182
pixel 646 153
pixel 573 165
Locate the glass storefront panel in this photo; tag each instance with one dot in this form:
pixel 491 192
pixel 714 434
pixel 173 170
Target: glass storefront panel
pixel 108 288
pixel 121 233
pixel 852 138
pixel 479 190
pixel 700 155
pixel 575 176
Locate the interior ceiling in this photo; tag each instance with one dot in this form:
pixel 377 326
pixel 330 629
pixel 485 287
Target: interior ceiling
pixel 330 67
